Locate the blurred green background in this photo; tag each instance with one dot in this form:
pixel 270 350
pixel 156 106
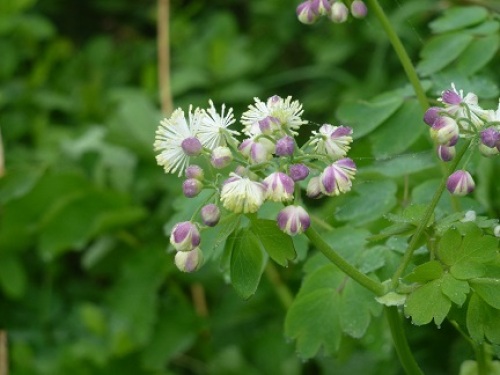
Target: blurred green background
pixel 86 286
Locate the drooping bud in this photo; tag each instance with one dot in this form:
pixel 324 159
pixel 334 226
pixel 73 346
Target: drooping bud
pixel 446 153
pixel 321 7
pixel 285 146
pixel 257 151
pixel 490 137
pixel 195 171
pixel 337 177
pixel 189 261
pixel 358 9
pixel 185 236
pixel 339 12
pixel 488 151
pixel 293 220
pixel 192 187
pixel 269 124
pixel 279 187
pixel 431 115
pixel 298 172
pixel 460 183
pixel 306 14
pixel 210 215
pixel 445 131
pixel 313 188
pixel 221 157
pixel 191 146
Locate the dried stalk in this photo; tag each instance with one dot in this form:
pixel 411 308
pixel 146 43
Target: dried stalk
pixel 164 56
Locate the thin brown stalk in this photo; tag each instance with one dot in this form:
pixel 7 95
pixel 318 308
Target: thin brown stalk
pixel 163 26
pixel 2 158
pixel 4 361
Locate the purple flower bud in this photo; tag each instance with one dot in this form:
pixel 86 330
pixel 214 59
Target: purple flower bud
pixel 306 14
pixel 293 220
pixel 313 188
pixel 191 187
pixel 279 187
pixel 185 236
pixel 191 146
pixel 189 261
pixel 337 177
pixel 273 100
pixel 445 131
pixel 451 97
pixel 269 124
pixel 298 172
pixel 446 153
pixel 210 215
pixel 321 7
pixel 285 146
pixel 460 183
pixel 431 115
pixel 490 137
pixel 358 9
pixel 221 157
pixel 257 151
pixel 339 12
pixel 194 171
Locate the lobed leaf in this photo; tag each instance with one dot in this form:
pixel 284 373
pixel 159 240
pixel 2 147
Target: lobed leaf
pixel 276 243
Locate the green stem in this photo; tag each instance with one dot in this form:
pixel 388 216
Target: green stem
pixel 400 343
pixel 370 284
pixel 425 220
pixel 482 359
pixel 280 288
pixel 401 52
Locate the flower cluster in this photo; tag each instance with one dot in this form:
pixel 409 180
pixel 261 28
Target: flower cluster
pixel 337 11
pixel 266 165
pixel 460 116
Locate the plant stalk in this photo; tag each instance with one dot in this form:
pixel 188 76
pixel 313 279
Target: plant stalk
pixel 400 343
pixel 401 52
pixel 163 26
pixel 370 284
pixel 280 288
pixel 4 358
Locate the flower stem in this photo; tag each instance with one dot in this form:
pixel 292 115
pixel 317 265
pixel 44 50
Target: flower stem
pixel 280 288
pixel 164 56
pixel 370 284
pixel 427 215
pixel 400 343
pixel 482 359
pixel 401 52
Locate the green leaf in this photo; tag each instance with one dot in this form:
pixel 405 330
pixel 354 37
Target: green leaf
pixel 478 54
pixel 427 303
pixel 425 272
pixel 488 289
pixel 441 51
pixel 402 165
pixel 366 116
pixel 399 131
pixel 457 18
pixel 483 321
pixel 373 200
pixel 17 182
pixel 277 244
pixel 467 254
pixel 247 263
pixel 13 278
pixel 392 299
pixel 455 290
pixel 213 238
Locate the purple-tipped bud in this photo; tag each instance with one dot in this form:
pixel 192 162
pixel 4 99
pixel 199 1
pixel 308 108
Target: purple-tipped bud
pixel 192 187
pixel 293 220
pixel 431 115
pixel 285 146
pixel 269 124
pixel 490 137
pixel 337 177
pixel 279 187
pixel 306 14
pixel 221 157
pixel 446 153
pixel 191 146
pixel 358 9
pixel 460 183
pixel 321 7
pixel 257 151
pixel 185 236
pixel 189 261
pixel 194 171
pixel 313 188
pixel 210 215
pixel 445 131
pixel 339 12
pixel 298 172
pixel 451 97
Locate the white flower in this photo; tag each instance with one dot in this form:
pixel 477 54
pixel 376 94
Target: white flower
pixel 333 141
pixel 462 106
pixel 240 194
pixel 213 130
pixel 286 111
pixel 169 138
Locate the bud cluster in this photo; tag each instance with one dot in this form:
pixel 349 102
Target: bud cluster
pixel 460 116
pixel 337 11
pixel 267 164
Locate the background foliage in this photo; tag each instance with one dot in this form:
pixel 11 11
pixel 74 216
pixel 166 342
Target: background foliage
pixel 86 286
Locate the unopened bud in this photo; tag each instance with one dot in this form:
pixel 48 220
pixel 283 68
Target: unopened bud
pixel 460 183
pixel 185 236
pixel 210 215
pixel 221 157
pixel 189 261
pixel 358 9
pixel 339 12
pixel 192 187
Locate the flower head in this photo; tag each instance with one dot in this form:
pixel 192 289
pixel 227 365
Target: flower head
pixel 293 220
pixel 240 194
pixel 176 140
pixel 337 177
pixel 462 106
pixel 332 140
pixel 213 130
pixel 279 187
pixel 460 183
